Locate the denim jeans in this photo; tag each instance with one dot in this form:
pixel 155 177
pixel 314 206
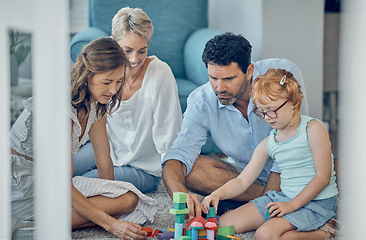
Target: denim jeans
pixel 84 165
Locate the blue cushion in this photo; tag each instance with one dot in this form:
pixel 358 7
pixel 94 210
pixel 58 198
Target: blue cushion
pixel 84 37
pixel 195 68
pixel 185 87
pixel 173 22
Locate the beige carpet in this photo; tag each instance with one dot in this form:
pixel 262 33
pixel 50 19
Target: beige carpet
pixel 163 220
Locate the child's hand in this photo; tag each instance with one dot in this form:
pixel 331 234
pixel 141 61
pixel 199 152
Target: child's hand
pixel 280 208
pixel 210 199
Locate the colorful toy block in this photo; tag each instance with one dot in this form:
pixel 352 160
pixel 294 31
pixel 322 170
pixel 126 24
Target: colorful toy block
pixel 223 231
pixel 233 237
pixel 202 233
pixel 187 232
pixel 213 219
pixel 195 226
pixel 165 236
pixel 219 237
pixel 179 197
pixel 197 219
pixel 156 232
pixel 148 230
pixel 211 213
pixel 179 211
pixel 180 218
pixel 178 231
pixel 179 205
pixel 211 228
pixel 184 238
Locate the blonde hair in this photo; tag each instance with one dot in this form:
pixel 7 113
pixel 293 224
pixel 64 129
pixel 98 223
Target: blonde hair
pixel 99 56
pixel 132 20
pixel 275 84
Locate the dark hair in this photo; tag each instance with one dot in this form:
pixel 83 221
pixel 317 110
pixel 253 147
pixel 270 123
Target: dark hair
pixel 226 48
pixel 99 56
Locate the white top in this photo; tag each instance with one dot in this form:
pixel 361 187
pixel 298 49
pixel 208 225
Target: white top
pixel 76 127
pixel 144 127
pixel 21 132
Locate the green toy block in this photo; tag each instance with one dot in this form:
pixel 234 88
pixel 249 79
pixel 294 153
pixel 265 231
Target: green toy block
pixel 179 218
pixel 188 232
pixel 219 237
pixel 181 211
pixel 179 197
pixel 211 213
pixel 223 231
pixel 179 206
pixel 184 238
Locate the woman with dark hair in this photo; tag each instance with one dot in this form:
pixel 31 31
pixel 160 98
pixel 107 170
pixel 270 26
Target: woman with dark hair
pixel 97 78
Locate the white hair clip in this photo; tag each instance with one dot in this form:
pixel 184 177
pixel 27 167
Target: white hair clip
pixel 283 79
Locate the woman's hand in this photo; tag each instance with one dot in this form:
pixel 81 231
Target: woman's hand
pixel 127 230
pixel 211 199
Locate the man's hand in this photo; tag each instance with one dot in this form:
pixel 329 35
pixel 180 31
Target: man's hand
pixel 194 206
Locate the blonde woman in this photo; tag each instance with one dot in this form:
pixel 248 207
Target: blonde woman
pixel 142 129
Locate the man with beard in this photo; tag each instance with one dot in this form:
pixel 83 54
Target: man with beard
pixel 223 108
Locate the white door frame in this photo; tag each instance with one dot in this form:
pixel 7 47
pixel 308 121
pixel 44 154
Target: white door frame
pixel 48 23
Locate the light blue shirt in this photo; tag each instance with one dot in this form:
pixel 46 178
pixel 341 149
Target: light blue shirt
pixel 232 133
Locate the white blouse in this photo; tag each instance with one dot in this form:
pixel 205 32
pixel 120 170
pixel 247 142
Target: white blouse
pixel 76 127
pixel 144 127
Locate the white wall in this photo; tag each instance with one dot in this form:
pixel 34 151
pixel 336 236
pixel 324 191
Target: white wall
pixel 280 28
pixel 294 29
pixel 240 17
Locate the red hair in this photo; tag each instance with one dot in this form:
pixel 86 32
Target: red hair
pixel 276 84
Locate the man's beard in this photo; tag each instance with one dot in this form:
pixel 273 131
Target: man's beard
pixel 233 98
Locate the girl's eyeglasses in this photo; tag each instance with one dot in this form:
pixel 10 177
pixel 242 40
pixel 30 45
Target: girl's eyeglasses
pixel 270 113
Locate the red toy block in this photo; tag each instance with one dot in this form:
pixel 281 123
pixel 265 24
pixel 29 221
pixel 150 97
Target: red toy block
pixel 212 220
pixel 196 219
pixel 148 230
pixel 156 232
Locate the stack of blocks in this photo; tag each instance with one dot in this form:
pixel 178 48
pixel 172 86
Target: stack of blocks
pixel 197 228
pixel 180 210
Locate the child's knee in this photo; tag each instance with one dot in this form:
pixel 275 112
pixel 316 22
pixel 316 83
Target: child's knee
pixel 225 220
pixel 263 234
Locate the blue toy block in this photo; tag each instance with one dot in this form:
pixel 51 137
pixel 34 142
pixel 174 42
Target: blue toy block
pixel 165 236
pixel 178 230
